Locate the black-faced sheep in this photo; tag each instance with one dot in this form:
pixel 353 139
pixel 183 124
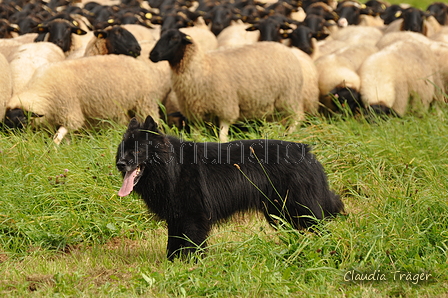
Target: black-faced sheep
pixel 114 87
pixel 439 11
pixel 413 19
pixel 113 40
pixel 220 17
pixel 338 72
pixel 62 33
pixel 401 74
pixel 248 82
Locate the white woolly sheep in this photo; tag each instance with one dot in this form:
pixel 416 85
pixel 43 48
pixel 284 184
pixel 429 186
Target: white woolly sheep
pixel 358 35
pixel 114 87
pixel 392 37
pixel 236 36
pixel 28 58
pixel 142 33
pixel 401 74
pixel 440 50
pixel 248 82
pixel 8 46
pixel 347 36
pixel 5 85
pixel 310 89
pixel 442 35
pixel 338 70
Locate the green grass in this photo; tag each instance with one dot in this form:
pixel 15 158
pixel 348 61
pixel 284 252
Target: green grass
pixel 65 232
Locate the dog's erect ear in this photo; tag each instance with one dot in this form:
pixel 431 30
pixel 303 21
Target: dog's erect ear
pixel 133 124
pixel 150 124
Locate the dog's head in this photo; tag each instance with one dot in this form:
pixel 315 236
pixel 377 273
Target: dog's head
pixel 140 147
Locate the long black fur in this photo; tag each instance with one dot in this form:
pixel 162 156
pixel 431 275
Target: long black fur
pixel 194 185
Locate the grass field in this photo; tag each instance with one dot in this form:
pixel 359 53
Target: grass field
pixel 64 231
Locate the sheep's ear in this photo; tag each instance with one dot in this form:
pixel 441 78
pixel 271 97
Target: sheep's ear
pixel 285 26
pixel 34 115
pixel 40 37
pixel 320 35
pixel 150 124
pixel 100 34
pixel 157 20
pixel 252 28
pixel 186 39
pixel 41 28
pixel 78 31
pixel 13 28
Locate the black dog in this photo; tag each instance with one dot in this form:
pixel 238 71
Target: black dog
pixel 194 185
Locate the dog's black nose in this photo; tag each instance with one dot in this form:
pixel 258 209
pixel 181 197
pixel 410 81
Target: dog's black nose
pixel 121 166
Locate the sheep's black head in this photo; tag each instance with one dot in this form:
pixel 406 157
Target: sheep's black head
pixel 270 28
pixel 59 32
pixel 348 98
pixel 119 41
pixel 301 38
pixel 413 19
pixel 18 118
pixel 170 47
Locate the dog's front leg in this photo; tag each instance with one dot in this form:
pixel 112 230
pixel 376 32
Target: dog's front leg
pixel 186 236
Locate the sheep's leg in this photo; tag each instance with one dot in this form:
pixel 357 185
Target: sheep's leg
pixel 224 130
pixel 60 134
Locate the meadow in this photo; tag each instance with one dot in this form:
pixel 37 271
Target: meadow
pixel 64 232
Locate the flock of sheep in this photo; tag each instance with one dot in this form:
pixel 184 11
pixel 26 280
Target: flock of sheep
pixel 289 60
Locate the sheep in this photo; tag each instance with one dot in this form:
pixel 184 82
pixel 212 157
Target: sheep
pixel 204 37
pixel 62 33
pixel 413 19
pixel 439 11
pixel 142 33
pixel 113 40
pixel 236 36
pixel 442 35
pixel 401 74
pixel 310 89
pixel 350 35
pixel 338 74
pixel 114 87
pixel 393 37
pixel 28 58
pixel 440 50
pixel 248 82
pixel 5 85
pixel 358 35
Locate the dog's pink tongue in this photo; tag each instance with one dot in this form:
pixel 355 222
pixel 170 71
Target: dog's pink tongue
pixel 128 183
